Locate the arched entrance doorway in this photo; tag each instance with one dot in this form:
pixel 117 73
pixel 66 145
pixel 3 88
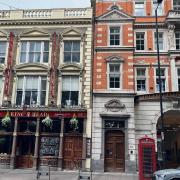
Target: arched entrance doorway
pixel 171 138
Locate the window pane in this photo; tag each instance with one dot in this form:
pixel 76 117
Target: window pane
pixel 75 57
pixel 19 97
pixel 32 46
pixel 45 57
pixel 46 46
pixel 23 46
pixel 38 47
pixel 20 83
pixel 67 57
pixel 37 57
pixel 76 46
pixel 67 45
pixel 34 97
pixel 114 35
pixel 27 97
pixel 43 84
pixel 23 57
pixel 139 9
pixel 43 98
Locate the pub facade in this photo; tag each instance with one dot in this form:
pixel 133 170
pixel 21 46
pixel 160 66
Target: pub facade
pixel 45 82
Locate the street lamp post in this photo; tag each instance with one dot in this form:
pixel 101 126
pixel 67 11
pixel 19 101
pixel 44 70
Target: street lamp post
pixel 160 86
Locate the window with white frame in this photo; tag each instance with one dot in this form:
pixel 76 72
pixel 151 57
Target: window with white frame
pixel 34 52
pixel 177 35
pixel 159 10
pixel 114 76
pixel 176 5
pixel 178 76
pixel 139 8
pixel 114 36
pixel 141 79
pixel 163 79
pixel 72 51
pixel 3 46
pixel 70 90
pixel 31 90
pixel 160 39
pixel 140 41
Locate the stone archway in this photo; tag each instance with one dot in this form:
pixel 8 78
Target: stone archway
pixel 171 138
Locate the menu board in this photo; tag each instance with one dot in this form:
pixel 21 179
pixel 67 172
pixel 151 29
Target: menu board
pixel 49 146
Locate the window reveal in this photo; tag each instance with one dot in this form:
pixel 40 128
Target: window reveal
pixel 141 79
pixel 114 36
pixel 70 90
pixel 3 46
pixel 140 42
pixel 34 52
pixel 163 79
pixel 71 51
pixel 31 90
pixel 114 75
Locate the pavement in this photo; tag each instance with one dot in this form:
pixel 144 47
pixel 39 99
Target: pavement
pixel 18 174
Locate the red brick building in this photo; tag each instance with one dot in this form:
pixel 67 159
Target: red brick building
pixel 125 80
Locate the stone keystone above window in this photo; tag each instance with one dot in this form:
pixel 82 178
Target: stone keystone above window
pixel 114 105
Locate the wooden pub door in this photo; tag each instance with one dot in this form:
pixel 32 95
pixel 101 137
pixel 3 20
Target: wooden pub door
pixel 72 152
pixel 114 151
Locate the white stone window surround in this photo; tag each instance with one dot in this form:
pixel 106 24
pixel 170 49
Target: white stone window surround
pixel 18 56
pixel 165 41
pixel 120 26
pixel 2 80
pixel 145 40
pixel 68 73
pixel 140 1
pixel 161 7
pixel 166 77
pixel 108 71
pixel 69 38
pixel 146 77
pixel 40 76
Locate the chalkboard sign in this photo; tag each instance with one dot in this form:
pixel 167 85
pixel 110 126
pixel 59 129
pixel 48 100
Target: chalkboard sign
pixel 49 146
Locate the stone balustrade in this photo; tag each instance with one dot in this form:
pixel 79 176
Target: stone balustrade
pixel 75 12
pixel 4 14
pixel 37 13
pixel 45 14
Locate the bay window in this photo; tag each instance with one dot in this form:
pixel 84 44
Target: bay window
pixel 3 46
pixel 163 79
pixel 71 51
pixel 31 90
pixel 34 52
pixel 114 76
pixel 70 90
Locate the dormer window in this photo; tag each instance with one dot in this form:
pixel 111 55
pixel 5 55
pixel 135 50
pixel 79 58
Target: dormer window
pixel 72 51
pixel 34 52
pixel 3 46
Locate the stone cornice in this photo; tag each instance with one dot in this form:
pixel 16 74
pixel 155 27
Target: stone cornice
pixel 46 22
pixel 114 48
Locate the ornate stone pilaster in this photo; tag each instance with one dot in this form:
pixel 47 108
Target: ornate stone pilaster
pixel 36 144
pixel 171 37
pixel 60 157
pixel 13 153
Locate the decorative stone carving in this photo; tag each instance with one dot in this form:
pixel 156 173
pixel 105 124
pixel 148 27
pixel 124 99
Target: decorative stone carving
pixel 114 105
pixel 171 37
pixel 115 59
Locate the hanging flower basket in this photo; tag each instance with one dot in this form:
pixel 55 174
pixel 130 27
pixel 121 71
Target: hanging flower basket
pixel 48 122
pixel 74 123
pixel 6 121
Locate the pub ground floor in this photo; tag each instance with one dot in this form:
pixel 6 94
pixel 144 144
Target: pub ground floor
pixel 33 139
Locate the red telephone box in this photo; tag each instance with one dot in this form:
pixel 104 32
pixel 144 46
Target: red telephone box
pixel 147 158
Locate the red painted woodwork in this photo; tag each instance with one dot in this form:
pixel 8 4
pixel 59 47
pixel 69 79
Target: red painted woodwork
pixel 44 114
pixel 114 152
pixel 53 64
pixel 8 71
pixel 147 158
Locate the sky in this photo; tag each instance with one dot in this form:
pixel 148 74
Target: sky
pixel 40 4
